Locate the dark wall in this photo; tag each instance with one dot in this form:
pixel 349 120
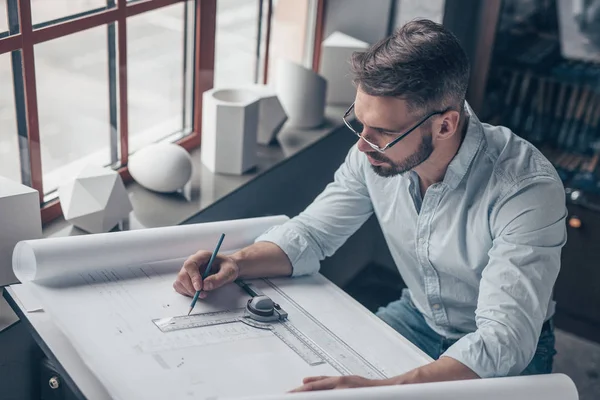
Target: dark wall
pixel 461 17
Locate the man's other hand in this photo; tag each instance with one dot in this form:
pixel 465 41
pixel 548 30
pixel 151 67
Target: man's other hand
pixel 336 382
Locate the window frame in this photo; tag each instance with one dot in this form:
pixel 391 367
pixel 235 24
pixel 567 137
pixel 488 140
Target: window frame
pixel 203 74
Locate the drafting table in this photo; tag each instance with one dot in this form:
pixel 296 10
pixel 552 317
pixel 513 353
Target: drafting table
pixel 84 384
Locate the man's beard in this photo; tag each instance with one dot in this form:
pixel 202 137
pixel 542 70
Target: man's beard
pixel 387 171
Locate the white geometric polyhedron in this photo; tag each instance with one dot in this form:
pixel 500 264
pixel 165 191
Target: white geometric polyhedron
pixel 336 53
pixel 271 115
pixel 96 200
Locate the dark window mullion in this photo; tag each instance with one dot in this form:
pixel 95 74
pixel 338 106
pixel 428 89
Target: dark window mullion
pixel 112 89
pixel 12 10
pixel 188 68
pixel 185 65
pixel 258 41
pixel 195 55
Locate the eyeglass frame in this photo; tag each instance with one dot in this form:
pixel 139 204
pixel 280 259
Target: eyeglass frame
pixel 393 142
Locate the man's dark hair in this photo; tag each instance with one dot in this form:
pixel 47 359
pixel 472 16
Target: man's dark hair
pixel 422 63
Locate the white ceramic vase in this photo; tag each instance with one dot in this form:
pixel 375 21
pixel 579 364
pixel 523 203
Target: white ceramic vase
pixel 229 130
pixel 302 93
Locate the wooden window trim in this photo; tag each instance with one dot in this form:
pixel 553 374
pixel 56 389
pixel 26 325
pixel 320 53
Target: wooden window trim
pixel 319 31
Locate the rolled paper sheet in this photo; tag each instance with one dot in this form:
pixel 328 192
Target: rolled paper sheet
pixel 547 387
pixel 39 259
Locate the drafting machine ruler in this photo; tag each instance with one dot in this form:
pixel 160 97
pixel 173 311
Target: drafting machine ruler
pixel 261 312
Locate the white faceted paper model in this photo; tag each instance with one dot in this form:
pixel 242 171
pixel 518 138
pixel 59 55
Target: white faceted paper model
pixel 161 167
pixel 302 93
pixel 271 115
pixel 96 200
pixel 336 53
pixel 20 219
pixel 229 130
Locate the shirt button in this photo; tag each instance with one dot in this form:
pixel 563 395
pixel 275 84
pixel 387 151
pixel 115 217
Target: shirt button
pixel 436 306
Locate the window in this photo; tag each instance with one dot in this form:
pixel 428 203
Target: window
pixel 10 166
pixel 297 32
pixel 71 75
pixel 3 18
pixel 50 10
pixel 157 60
pixel 252 35
pixel 91 82
pixel 236 58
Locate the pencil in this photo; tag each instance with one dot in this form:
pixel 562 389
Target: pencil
pixel 207 271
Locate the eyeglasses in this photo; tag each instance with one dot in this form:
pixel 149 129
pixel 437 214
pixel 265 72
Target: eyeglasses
pixel 393 142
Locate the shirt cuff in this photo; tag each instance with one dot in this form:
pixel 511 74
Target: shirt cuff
pixel 294 245
pixel 469 350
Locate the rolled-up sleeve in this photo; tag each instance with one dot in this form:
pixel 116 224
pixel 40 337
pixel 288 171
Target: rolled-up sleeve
pixel 318 231
pixel 528 226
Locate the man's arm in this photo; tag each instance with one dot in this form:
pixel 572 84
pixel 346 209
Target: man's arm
pixel 327 222
pixel 262 260
pixel 515 289
pixel 444 369
pixel 297 246
pixel 529 230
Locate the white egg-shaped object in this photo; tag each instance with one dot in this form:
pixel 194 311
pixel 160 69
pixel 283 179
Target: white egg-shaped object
pixel 161 167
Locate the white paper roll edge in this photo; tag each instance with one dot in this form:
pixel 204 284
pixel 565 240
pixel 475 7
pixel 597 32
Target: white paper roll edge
pixel 24 263
pixel 47 258
pixel 547 387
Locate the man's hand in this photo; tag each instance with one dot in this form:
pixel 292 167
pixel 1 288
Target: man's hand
pixel 259 260
pixel 443 369
pixel 224 270
pixel 336 382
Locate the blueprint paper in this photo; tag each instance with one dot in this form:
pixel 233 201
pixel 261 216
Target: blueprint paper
pixel 391 353
pixel 547 387
pixel 46 258
pixel 103 294
pixel 112 310
pixel 30 302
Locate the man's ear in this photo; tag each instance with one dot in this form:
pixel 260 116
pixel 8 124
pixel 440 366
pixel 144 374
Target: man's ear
pixel 447 126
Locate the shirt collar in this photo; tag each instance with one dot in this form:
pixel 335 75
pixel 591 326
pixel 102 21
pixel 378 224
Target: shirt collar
pixel 472 142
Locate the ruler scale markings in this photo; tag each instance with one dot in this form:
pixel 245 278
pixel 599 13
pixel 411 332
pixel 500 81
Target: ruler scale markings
pixel 297 343
pixel 357 359
pixel 329 348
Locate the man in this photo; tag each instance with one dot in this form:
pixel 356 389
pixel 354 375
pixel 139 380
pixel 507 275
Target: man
pixel 472 214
